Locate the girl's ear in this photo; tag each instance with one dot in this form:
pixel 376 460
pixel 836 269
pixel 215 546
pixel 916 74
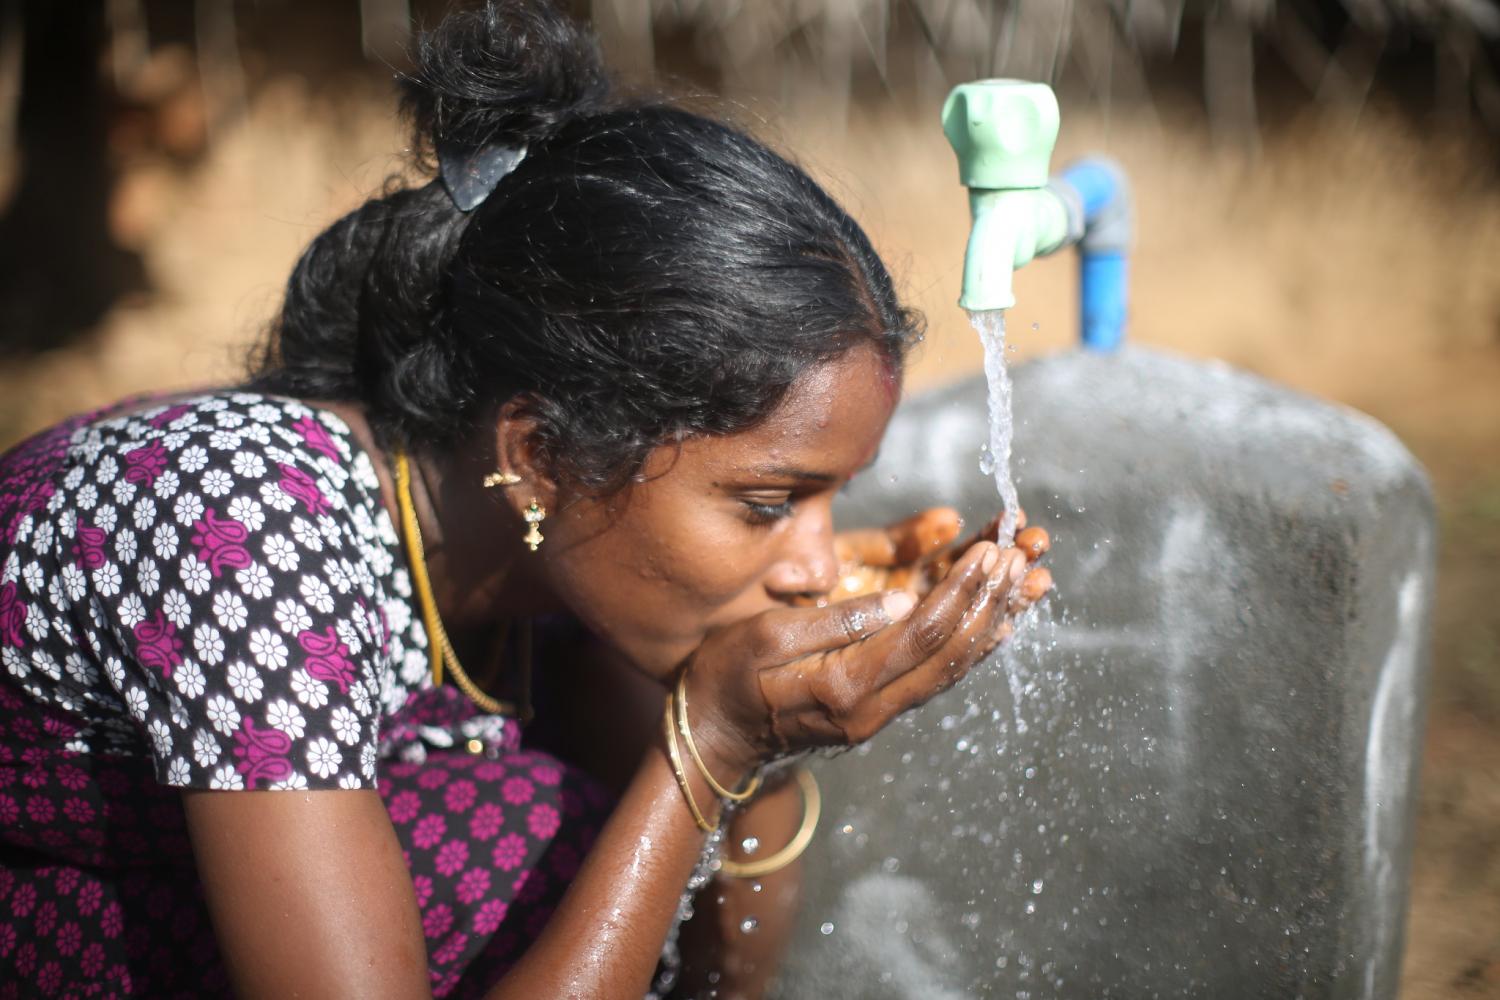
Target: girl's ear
pixel 521 457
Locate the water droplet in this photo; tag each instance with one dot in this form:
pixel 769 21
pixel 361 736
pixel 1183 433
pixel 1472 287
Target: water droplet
pixel 1036 887
pixel 749 925
pixel 756 887
pixel 1030 907
pixel 826 928
pixel 750 845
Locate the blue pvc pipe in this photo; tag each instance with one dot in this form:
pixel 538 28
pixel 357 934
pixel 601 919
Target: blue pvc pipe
pixel 1103 267
pixel 1095 183
pixel 1103 289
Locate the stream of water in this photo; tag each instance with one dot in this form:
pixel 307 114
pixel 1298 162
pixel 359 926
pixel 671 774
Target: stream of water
pixel 990 326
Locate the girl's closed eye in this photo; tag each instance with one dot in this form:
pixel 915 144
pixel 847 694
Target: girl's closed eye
pixel 761 512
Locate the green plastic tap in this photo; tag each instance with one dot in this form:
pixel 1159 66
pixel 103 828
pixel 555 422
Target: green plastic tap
pixel 1003 132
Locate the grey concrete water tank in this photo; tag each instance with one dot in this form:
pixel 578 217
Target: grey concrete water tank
pixel 1193 775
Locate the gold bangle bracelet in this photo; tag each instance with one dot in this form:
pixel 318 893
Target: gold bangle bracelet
pixel 812 809
pixel 679 773
pixel 687 737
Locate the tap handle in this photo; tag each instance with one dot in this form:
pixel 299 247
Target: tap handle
pixel 1003 132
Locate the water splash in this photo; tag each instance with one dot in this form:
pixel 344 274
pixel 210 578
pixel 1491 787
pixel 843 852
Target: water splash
pixel 996 461
pixel 999 880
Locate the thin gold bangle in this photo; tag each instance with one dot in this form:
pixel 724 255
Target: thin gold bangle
pixel 687 736
pixel 679 773
pixel 812 809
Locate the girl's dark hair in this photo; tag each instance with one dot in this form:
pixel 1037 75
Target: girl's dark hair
pixel 643 275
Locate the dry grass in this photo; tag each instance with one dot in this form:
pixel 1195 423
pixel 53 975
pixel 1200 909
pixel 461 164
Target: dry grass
pixel 1108 44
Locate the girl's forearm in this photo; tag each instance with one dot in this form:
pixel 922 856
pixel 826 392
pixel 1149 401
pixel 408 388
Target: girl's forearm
pixel 605 938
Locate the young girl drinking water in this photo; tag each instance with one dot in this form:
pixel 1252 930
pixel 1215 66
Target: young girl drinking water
pixel 435 656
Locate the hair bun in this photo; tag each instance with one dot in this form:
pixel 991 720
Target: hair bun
pixel 511 71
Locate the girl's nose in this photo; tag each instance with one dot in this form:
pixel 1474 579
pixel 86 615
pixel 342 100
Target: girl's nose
pixel 808 567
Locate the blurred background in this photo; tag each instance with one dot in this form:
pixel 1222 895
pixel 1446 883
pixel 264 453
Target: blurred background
pixel 1318 198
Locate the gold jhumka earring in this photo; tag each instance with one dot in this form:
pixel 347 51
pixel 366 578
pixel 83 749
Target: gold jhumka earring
pixel 534 514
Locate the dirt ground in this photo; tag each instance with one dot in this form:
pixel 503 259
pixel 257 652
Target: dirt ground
pixel 1348 259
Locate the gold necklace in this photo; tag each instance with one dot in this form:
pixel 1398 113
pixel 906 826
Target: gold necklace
pixel 439 645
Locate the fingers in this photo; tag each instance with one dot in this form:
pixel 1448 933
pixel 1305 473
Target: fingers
pixel 1005 630
pixel 782 636
pixel 923 534
pixel 855 580
pixel 975 636
pixel 985 617
pixel 871 546
pixel 856 687
pixel 991 531
pixel 935 620
pixel 904 542
pixel 1034 586
pixel 1034 542
pixel 849 686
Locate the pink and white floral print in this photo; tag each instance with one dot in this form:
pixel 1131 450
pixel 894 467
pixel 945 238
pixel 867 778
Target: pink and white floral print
pixel 208 555
pixel 210 594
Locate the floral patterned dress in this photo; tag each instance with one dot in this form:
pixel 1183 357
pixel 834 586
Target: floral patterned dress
pixel 208 593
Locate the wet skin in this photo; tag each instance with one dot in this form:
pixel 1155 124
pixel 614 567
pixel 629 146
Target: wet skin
pixel 698 567
pixel 714 530
pixel 721 528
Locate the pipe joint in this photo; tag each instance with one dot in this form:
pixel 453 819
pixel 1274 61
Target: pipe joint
pixel 1101 189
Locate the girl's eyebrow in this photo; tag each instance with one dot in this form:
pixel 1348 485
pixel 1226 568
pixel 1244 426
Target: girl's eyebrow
pixel 792 472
